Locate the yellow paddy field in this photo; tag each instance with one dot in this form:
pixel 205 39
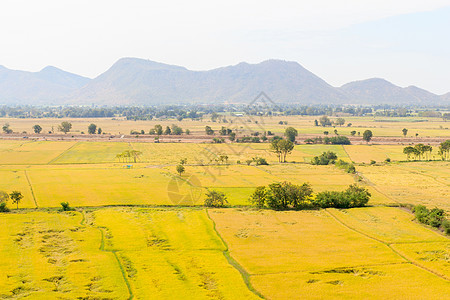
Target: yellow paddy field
pixel 139 230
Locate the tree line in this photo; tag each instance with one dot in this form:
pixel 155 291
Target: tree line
pixel 286 195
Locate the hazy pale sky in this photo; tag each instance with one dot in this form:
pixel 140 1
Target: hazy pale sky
pixel 404 41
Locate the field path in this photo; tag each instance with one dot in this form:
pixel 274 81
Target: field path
pixel 102 248
pixel 62 153
pixel 388 245
pixel 31 188
pixel 245 275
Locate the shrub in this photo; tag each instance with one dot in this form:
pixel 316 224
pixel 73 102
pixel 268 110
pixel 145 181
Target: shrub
pixel 66 207
pixel 372 162
pixel 325 158
pixel 434 217
pixel 354 196
pixel 260 161
pixel 337 140
pixel 215 199
pixel 348 167
pixel 387 160
pixel 3 207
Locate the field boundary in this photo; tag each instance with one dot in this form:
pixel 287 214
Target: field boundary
pixel 102 248
pixel 389 246
pixel 31 188
pixel 62 153
pixel 245 275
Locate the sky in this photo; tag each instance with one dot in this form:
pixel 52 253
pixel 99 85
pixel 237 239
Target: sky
pixel 405 42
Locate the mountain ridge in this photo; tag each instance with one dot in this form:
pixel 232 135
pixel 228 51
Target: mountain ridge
pixel 135 81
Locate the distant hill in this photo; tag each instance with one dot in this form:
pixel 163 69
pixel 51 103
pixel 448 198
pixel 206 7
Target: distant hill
pixel 137 81
pixel 377 90
pixel 133 81
pixel 49 86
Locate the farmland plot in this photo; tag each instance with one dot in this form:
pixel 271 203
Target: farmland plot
pixel 312 254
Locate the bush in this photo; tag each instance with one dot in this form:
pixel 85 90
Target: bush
pixel 66 207
pixel 354 196
pixel 3 207
pixel 434 217
pixel 372 162
pixel 325 158
pixel 260 161
pixel 446 226
pixel 215 199
pixel 337 140
pixel 348 167
pixel 387 160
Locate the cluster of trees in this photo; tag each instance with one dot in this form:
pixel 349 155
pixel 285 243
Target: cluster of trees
pixel 6 128
pixel 434 217
pixel 285 195
pixel 92 129
pixel 15 196
pixel 324 121
pixel 444 150
pixel 336 140
pixel 419 151
pixel 172 130
pixel 129 156
pixel 324 159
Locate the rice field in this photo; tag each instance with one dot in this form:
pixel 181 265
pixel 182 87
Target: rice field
pixel 140 230
pixel 318 254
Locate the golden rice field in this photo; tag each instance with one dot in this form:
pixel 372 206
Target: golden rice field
pixel 319 254
pixel 191 253
pixel 140 231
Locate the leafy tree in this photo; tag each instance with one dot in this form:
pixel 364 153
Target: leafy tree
pixel 37 128
pixel 340 121
pixel 99 131
pixel 444 150
pixel 176 130
pixel 65 127
pixel 158 129
pixel 316 123
pixel 335 132
pixel 354 196
pixel 167 131
pixel 258 198
pixel 180 169
pixel 353 133
pixel 405 132
pixel 215 199
pixel 324 121
pixel 367 135
pixel 6 128
pixel 135 154
pixel 4 197
pixel 188 132
pixel 183 161
pixel 16 196
pixel 92 128
pixel 290 133
pixel 232 136
pixel 208 130
pixel 325 132
pixel 281 148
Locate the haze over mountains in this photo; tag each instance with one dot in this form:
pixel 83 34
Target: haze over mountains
pixel 132 81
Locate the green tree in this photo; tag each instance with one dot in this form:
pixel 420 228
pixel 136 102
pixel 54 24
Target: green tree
pixel 37 128
pixel 167 131
pixel 99 131
pixel 180 169
pixel 65 127
pixel 208 130
pixel 340 121
pixel 6 128
pixel 367 135
pixel 215 199
pixel 16 197
pixel 135 154
pixel 176 130
pixel 324 121
pixel 92 128
pixel 158 129
pixel 290 133
pixel 286 148
pixel 444 150
pixel 405 132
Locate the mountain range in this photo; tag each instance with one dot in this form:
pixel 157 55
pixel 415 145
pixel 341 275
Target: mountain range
pixel 133 81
